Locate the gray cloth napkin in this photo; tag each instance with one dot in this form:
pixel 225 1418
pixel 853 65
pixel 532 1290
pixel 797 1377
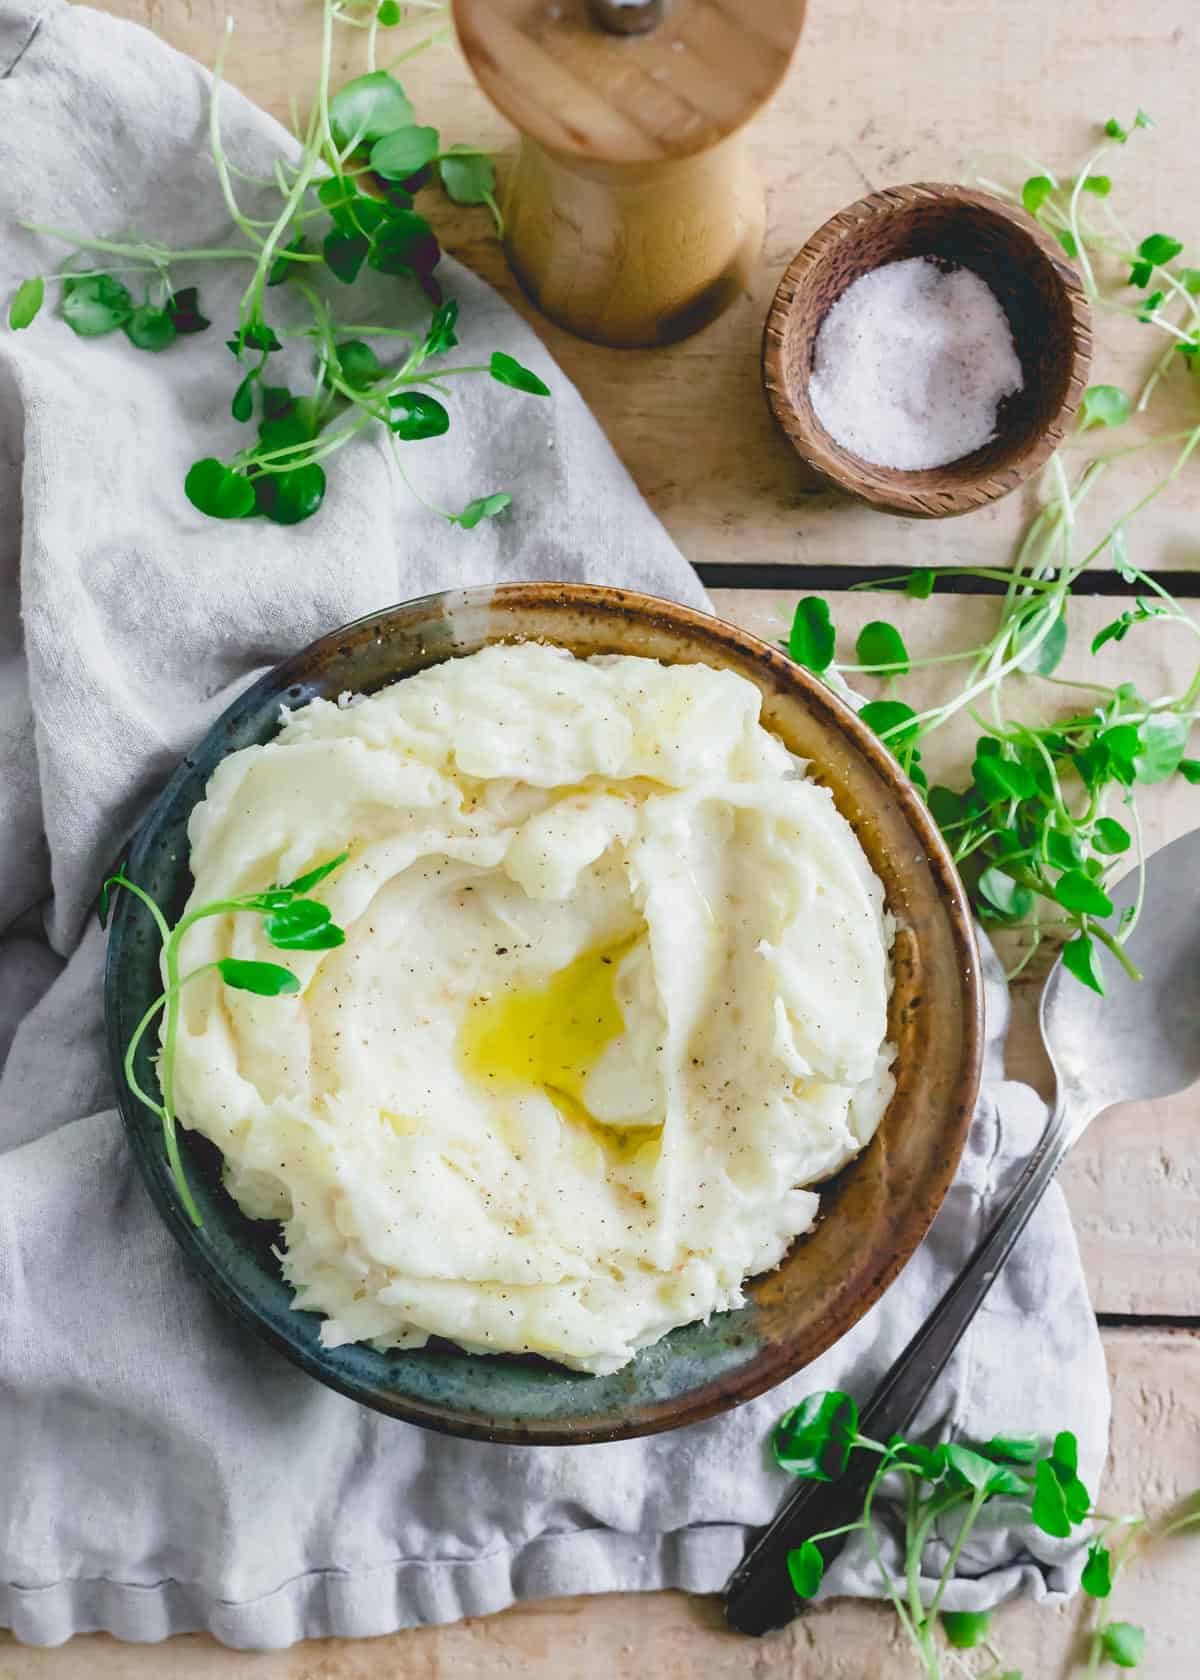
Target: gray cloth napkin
pixel 160 1470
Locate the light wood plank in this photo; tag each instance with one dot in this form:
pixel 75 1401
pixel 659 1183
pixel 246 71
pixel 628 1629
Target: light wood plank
pixel 1154 1462
pixel 922 95
pixel 1132 1181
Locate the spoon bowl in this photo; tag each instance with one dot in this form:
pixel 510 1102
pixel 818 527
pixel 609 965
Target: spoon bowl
pixel 1142 1038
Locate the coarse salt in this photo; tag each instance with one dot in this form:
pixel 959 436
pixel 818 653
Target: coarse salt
pixel 911 364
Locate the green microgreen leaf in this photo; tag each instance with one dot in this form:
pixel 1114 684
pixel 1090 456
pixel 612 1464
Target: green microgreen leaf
pixel 1065 1451
pixel 1044 659
pixel 404 152
pixel 1110 837
pixel 26 301
pixel 441 335
pixel 305 883
pixel 344 254
pixel 947 807
pixel 215 489
pixel 1118 749
pixel 1114 632
pixel 415 414
pixel 367 108
pixel 806 1567
pixel 404 244
pixel 1189 769
pixel 96 306
pixel 289 497
pixel 1049 1507
pixel 242 406
pixel 1078 892
pixel 358 363
pixel 1000 780
pixel 1063 850
pixel 298 917
pixel 277 400
pixel 1159 248
pixel 880 643
pixel 1115 131
pixel 1103 405
pixel 975 1471
pixel 965 1630
pixel 1035 192
pixel 1100 185
pixel 467 176
pixel 812 638
pixel 353 213
pixel 1010 901
pixel 283 267
pixel 919 583
pixel 297 424
pixel 1097 1571
pixel 255 335
pixel 1081 959
pixel 814 1439
pixel 892 720
pixel 184 309
pixel 509 371
pixel 1164 739
pixel 1068 241
pixel 1152 304
pixel 150 329
pixel 1123 1643
pixel 262 978
pixel 483 507
pixel 1017 1449
pixel 388 13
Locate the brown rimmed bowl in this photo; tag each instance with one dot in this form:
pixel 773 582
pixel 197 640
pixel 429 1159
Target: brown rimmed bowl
pixel 873 1214
pixel 1040 293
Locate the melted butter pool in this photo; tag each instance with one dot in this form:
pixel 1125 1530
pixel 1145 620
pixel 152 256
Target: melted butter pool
pixel 550 1037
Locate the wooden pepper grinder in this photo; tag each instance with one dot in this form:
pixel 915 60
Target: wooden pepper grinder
pixel 632 215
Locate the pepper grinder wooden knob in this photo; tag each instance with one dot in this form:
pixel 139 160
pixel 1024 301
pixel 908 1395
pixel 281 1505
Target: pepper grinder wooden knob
pixel 633 215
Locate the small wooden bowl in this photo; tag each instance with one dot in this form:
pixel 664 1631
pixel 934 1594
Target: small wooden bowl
pixel 1041 295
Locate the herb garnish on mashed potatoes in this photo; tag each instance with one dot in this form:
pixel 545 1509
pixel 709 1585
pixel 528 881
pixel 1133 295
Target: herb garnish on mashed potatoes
pixel 613 994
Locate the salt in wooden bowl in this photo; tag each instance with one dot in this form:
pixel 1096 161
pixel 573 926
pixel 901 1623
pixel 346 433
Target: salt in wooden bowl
pixel 1037 288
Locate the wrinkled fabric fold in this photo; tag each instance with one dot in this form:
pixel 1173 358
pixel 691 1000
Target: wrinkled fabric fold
pixel 161 1470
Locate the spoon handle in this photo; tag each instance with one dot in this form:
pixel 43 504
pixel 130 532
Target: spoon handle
pixel 759 1596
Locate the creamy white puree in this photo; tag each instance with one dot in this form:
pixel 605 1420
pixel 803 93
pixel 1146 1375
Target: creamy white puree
pixel 614 992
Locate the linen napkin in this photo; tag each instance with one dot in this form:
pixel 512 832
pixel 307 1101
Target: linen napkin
pixel 161 1470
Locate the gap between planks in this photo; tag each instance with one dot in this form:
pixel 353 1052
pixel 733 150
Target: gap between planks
pixel 822 578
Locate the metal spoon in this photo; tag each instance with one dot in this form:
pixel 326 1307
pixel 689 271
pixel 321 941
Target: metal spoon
pixel 1141 1040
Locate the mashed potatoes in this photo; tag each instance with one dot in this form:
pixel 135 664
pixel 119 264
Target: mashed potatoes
pixel 614 991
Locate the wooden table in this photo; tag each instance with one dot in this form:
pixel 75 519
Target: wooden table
pixel 878 95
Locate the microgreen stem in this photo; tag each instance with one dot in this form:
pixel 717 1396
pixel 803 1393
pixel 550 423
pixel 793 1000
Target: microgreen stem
pixel 972 1512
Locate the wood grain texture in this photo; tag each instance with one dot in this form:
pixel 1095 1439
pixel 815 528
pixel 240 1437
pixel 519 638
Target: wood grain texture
pixel 1040 293
pixel 585 91
pixel 1154 1461
pixel 924 94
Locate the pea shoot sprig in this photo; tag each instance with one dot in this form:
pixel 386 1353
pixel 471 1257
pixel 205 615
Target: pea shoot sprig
pixel 345 205
pixel 292 921
pixel 1050 811
pixel 941 1492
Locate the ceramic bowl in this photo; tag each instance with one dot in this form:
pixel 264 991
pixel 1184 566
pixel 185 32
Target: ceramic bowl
pixel 1040 292
pixel 873 1215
